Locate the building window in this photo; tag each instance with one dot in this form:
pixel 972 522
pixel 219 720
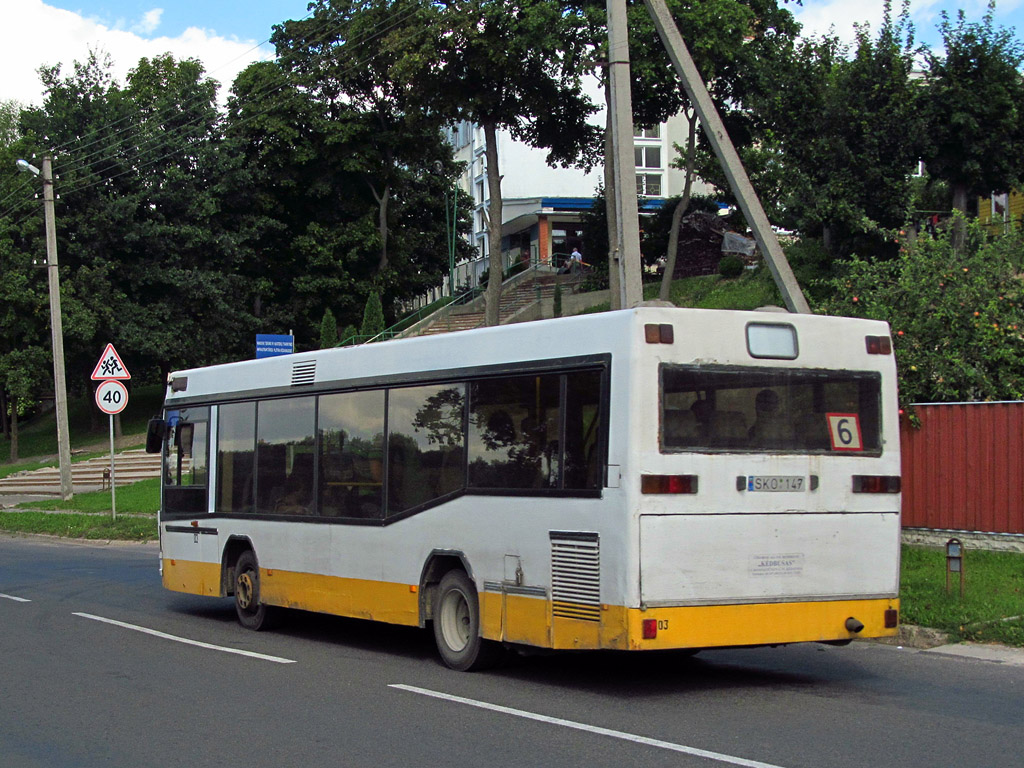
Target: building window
pixel 648 133
pixel 647 157
pixel 648 184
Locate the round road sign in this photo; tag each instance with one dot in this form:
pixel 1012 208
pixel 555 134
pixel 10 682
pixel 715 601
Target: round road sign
pixel 111 396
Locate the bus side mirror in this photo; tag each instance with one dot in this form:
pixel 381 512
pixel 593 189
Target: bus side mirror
pixel 155 435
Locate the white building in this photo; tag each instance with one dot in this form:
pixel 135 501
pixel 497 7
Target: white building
pixel 542 205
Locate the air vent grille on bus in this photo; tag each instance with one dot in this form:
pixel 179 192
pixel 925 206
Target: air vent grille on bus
pixel 576 575
pixel 303 372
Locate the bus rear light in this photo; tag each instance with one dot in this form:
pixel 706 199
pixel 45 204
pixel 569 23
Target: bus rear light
pixel 650 627
pixel 878 345
pixel 668 484
pixel 659 333
pixel 876 483
pixel 892 618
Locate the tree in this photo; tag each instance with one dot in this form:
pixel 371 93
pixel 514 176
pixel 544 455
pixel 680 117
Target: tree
pixel 831 135
pixel 957 318
pixel 975 108
pixel 328 330
pixel 373 316
pixel 505 67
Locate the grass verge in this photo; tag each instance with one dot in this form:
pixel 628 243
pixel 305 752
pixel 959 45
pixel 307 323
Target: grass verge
pixel 141 498
pixel 80 526
pixel 992 608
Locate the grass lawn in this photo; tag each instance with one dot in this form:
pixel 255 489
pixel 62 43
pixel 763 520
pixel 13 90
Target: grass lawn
pixel 80 526
pixel 992 608
pixel 141 498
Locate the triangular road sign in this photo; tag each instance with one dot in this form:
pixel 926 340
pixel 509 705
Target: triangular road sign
pixel 110 366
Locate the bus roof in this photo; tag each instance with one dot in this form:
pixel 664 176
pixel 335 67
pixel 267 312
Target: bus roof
pixel 701 336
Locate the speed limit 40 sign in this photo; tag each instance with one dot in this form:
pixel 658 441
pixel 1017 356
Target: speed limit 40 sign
pixel 111 396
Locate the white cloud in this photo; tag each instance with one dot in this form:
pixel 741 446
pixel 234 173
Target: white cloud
pixel 148 23
pixel 39 34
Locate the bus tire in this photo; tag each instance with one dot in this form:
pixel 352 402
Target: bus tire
pixel 457 626
pixel 252 614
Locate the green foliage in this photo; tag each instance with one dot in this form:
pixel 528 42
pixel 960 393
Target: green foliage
pixel 141 498
pixel 993 602
pixel 834 134
pixel 328 330
pixel 81 526
pixel 373 316
pixel 348 334
pixel 730 266
pixel 975 107
pixel 957 318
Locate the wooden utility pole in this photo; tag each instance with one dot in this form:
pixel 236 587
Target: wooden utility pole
pixel 726 153
pixel 625 251
pixel 56 334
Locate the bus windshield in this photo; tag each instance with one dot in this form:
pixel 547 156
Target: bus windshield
pixel 710 408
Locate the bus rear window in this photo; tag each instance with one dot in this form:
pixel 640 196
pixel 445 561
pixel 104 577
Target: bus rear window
pixel 769 410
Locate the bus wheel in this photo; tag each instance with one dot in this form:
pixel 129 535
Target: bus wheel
pixel 252 614
pixel 457 626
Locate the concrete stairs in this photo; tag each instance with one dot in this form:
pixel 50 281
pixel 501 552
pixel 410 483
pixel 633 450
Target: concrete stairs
pixel 129 467
pixel 514 300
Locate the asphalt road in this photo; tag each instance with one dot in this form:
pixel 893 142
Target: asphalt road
pixel 77 691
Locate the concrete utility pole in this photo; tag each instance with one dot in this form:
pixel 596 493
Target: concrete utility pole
pixel 626 250
pixel 726 153
pixel 60 392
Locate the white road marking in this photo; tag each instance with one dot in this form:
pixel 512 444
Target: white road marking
pixel 15 599
pixel 589 728
pixel 175 638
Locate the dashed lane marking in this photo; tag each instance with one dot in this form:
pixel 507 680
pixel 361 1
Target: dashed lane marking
pixel 632 737
pixel 187 641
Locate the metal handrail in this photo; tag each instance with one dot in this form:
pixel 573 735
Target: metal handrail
pixel 461 300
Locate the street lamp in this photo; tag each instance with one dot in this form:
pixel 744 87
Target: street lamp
pixel 60 391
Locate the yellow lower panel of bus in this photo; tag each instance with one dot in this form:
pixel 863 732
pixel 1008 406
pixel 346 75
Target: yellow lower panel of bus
pixel 357 598
pixel 758 624
pixel 192 577
pixel 529 620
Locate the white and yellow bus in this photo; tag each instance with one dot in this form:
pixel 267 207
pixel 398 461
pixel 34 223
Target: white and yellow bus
pixel 652 478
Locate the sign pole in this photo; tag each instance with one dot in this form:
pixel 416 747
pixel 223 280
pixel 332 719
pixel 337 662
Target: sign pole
pixel 113 484
pixel 111 398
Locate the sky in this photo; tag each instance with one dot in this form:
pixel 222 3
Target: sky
pixel 227 35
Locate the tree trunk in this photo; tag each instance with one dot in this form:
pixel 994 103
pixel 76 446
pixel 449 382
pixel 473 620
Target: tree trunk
pixel 117 426
pixel 382 223
pixel 611 209
pixel 677 214
pixel 959 222
pixel 5 428
pixel 14 428
pixel 492 299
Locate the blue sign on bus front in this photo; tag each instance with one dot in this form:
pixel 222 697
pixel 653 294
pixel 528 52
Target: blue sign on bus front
pixel 271 345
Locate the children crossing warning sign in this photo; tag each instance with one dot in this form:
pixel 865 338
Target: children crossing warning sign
pixel 110 366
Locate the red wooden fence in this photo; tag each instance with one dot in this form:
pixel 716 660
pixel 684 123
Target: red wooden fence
pixel 964 468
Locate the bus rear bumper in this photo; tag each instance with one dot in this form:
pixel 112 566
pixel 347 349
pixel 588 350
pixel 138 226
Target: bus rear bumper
pixel 711 626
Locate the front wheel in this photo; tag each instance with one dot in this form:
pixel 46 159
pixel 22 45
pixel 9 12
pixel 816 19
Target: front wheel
pixel 252 614
pixel 457 626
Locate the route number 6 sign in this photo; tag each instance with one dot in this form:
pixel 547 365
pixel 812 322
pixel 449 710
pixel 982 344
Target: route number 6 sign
pixel 844 431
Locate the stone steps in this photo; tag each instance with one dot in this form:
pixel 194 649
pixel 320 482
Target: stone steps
pixel 129 467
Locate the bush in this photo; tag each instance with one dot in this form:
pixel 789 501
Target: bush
pixel 373 316
pixel 956 316
pixel 730 266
